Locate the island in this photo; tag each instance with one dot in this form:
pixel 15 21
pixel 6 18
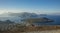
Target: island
pixel 30 21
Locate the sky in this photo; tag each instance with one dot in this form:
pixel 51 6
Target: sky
pixel 34 6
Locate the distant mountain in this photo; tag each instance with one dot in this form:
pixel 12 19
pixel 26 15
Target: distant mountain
pixel 43 14
pixel 24 15
pixel 6 22
pixel 17 17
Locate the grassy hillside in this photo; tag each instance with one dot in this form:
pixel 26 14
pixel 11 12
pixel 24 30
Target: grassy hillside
pixel 19 29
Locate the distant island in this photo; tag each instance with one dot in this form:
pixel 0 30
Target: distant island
pixel 30 21
pixel 43 19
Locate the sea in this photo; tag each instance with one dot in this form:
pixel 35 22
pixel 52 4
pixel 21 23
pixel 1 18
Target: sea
pixel 55 18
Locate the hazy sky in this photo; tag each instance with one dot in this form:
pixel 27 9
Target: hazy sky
pixel 36 6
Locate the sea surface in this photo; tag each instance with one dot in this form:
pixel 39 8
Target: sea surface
pixel 55 18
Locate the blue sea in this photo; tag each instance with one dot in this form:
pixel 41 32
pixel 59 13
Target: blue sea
pixel 55 18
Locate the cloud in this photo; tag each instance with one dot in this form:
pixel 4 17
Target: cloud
pixel 28 10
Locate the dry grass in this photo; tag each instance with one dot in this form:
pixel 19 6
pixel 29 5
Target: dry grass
pixel 42 28
pixel 31 28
